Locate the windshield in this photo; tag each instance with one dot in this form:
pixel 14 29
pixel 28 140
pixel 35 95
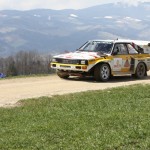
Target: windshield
pixel 97 46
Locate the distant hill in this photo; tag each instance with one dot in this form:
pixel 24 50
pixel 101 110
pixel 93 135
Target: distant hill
pixel 54 31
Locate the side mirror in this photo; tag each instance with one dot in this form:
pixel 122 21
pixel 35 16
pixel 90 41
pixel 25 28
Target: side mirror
pixel 149 44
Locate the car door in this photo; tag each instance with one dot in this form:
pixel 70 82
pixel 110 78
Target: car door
pixel 121 59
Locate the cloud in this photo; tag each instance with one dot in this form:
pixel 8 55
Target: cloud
pixel 50 4
pixel 130 2
pixel 133 2
pixel 32 4
pixel 57 4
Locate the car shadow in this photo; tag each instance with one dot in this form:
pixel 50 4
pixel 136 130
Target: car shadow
pixel 127 78
pixel 114 79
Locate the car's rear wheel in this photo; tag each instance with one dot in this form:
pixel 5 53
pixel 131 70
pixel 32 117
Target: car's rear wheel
pixel 102 72
pixel 140 70
pixel 62 74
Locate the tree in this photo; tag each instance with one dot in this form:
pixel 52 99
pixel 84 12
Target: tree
pixel 12 70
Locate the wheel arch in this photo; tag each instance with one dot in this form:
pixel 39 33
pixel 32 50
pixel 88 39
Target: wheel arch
pixel 146 69
pixel 144 65
pixel 102 62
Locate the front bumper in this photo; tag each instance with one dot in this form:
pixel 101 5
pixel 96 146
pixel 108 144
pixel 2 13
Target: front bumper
pixel 70 67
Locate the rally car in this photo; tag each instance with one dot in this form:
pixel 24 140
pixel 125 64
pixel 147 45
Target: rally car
pixel 103 59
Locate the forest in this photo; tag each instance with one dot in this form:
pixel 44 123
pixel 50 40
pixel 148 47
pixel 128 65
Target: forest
pixel 25 63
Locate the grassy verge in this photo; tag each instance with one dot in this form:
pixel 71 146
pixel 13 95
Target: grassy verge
pixel 111 119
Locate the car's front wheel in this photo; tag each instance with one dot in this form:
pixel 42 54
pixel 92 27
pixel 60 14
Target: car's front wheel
pixel 62 74
pixel 102 72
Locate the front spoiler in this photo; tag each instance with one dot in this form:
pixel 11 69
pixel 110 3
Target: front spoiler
pixel 70 67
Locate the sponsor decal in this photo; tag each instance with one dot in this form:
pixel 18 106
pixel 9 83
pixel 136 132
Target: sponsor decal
pixel 65 66
pixel 81 55
pixel 117 64
pixel 68 56
pixel 126 65
pixel 94 56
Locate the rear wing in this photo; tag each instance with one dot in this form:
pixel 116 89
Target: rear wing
pixel 138 48
pixel 146 48
pixel 139 45
pixel 145 45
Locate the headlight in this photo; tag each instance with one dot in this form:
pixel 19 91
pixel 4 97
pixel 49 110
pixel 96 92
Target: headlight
pixel 83 62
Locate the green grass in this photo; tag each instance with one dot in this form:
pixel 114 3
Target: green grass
pixel 114 119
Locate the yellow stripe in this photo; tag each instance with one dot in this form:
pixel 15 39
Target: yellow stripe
pixel 124 69
pixel 67 64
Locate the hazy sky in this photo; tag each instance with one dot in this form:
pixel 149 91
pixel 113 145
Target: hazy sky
pixel 58 4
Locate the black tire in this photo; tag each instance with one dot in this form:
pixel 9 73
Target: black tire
pixel 140 71
pixel 62 75
pixel 102 72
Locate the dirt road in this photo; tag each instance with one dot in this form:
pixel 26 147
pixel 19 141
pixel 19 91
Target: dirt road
pixel 12 90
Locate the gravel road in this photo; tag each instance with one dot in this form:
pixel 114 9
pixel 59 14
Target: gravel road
pixel 13 90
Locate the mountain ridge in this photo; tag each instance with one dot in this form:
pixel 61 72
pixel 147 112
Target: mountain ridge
pixel 54 31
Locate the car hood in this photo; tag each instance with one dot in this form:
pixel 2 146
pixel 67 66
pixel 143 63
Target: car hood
pixel 79 55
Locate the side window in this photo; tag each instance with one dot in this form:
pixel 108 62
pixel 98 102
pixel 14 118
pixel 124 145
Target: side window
pixel 120 49
pixel 131 49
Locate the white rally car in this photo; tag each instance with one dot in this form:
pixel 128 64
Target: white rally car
pixel 104 58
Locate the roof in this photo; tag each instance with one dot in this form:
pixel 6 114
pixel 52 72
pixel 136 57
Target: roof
pixel 137 42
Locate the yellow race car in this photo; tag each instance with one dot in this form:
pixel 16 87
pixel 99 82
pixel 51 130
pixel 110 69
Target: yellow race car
pixel 103 59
